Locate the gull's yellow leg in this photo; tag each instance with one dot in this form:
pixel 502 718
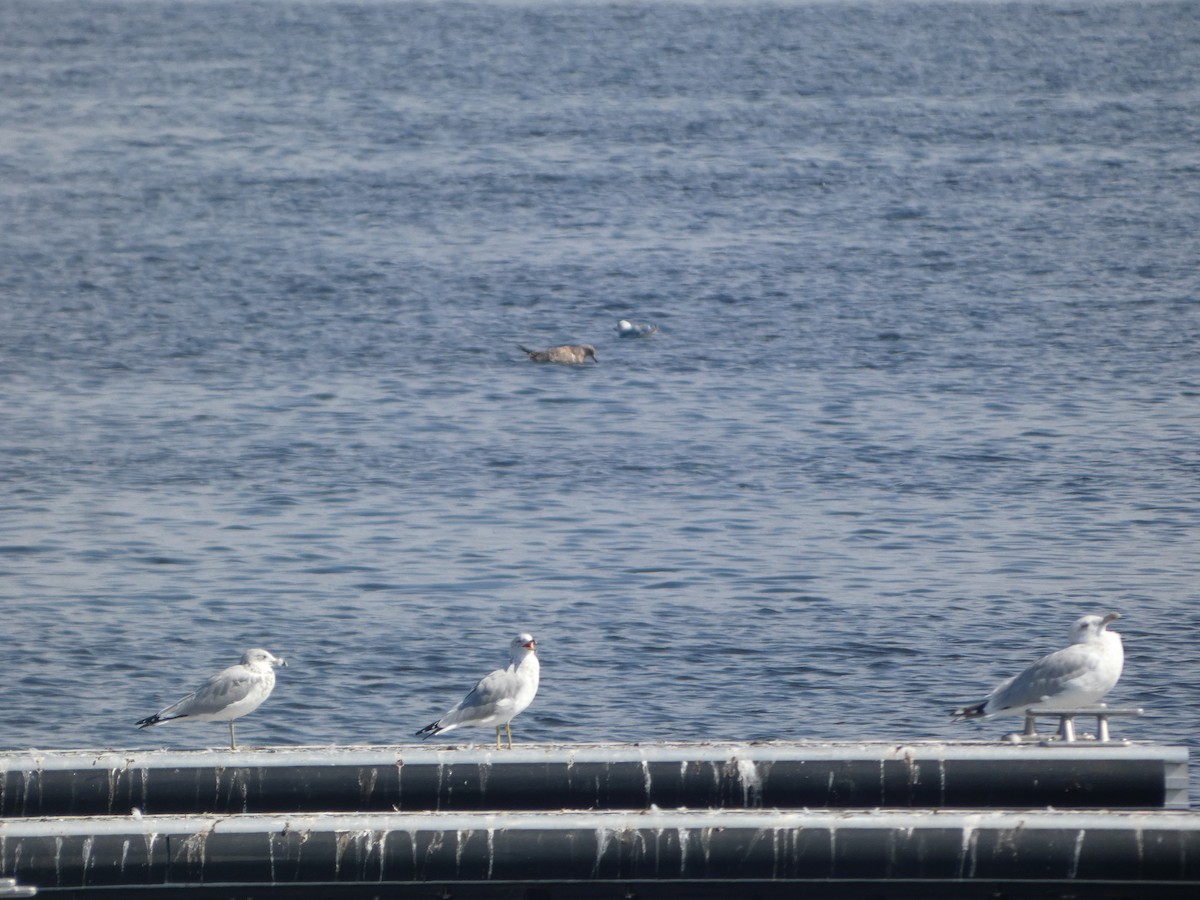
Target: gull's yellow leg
pixel 232 737
pixel 508 728
pixel 498 737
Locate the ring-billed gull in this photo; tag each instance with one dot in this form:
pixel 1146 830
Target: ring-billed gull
pixel 499 696
pixel 569 354
pixel 1077 675
pixel 228 695
pixel 626 329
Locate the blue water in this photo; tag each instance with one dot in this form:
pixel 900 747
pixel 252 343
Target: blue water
pixel 925 387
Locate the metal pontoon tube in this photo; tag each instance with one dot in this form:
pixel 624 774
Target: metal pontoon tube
pixel 1077 775
pixel 1137 854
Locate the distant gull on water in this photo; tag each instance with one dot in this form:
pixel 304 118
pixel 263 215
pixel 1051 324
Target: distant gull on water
pixel 1077 675
pixel 228 695
pixel 499 696
pixel 569 354
pixel 626 329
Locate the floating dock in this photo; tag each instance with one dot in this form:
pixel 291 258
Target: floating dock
pixel 763 820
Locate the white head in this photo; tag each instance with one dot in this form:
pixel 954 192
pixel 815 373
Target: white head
pixel 523 643
pixel 1091 628
pixel 624 325
pixel 259 658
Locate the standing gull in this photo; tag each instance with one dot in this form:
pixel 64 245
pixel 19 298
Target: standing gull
pixel 1077 675
pixel 569 354
pixel 499 696
pixel 228 695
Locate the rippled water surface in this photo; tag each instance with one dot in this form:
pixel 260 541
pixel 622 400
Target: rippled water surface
pixel 925 387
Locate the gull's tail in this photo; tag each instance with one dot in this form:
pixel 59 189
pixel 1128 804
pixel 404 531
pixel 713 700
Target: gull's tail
pixel 974 711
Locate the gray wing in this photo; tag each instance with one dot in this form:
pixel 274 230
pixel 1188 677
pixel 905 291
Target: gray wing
pixel 222 690
pixel 1047 677
pixel 493 693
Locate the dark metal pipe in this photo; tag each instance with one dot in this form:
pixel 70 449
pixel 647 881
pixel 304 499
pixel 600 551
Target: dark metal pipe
pixel 709 776
pixel 665 854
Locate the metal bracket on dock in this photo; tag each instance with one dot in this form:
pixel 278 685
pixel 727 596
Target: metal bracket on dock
pixel 1066 724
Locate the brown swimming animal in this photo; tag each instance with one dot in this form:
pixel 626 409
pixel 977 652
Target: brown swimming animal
pixel 569 354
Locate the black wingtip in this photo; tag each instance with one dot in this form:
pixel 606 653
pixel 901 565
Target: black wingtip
pixel 428 731
pixel 155 719
pixel 968 712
